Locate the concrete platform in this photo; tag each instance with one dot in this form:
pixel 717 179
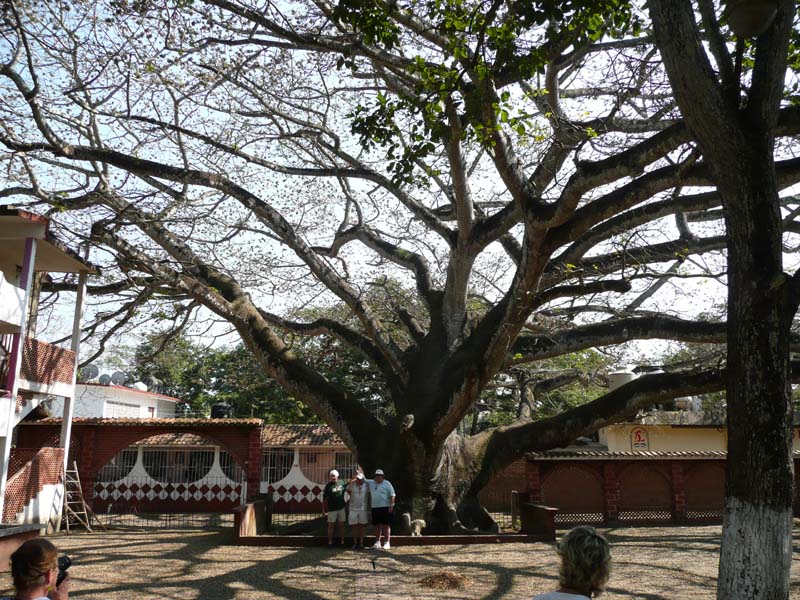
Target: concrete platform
pixel 298 541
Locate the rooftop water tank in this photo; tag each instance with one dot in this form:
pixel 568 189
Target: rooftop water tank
pixel 620 377
pixel 221 410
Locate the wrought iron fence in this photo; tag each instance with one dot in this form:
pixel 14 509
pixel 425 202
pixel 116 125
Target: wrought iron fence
pixel 133 519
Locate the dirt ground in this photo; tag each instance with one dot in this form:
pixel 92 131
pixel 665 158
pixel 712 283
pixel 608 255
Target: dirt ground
pixel 649 564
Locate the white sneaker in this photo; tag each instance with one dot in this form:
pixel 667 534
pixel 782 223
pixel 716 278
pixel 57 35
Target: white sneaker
pixel 386 545
pixel 377 545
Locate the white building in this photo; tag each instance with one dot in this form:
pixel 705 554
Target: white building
pixel 94 400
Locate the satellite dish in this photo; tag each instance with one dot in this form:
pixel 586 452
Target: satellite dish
pixel 105 379
pixel 89 372
pixel 119 378
pixel 142 387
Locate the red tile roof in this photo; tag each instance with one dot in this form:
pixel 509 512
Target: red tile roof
pixel 176 439
pixel 299 435
pixel 606 454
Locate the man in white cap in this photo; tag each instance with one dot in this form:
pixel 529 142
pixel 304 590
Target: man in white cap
pixel 333 502
pixel 382 497
pixel 359 508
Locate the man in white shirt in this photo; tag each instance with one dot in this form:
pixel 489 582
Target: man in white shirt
pixel 359 508
pixel 382 497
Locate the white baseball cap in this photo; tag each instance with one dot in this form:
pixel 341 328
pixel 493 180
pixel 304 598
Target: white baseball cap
pixel 378 472
pixel 334 472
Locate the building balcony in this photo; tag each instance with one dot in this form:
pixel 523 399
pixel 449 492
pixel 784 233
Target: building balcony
pixel 46 369
pixel 12 305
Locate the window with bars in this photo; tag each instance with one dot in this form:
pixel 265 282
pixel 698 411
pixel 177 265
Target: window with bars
pixel 117 410
pixel 316 465
pixel 229 466
pixel 184 465
pixel 120 465
pixel 345 463
pixel 276 464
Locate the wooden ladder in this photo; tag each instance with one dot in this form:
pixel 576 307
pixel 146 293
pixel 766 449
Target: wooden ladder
pixel 75 508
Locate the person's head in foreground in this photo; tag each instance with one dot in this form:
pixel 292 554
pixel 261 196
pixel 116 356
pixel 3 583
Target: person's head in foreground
pixel 333 475
pixel 585 562
pixel 34 569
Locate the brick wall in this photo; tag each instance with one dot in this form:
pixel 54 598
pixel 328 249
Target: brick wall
pixel 94 445
pixel 496 495
pixel 632 491
pixel 42 466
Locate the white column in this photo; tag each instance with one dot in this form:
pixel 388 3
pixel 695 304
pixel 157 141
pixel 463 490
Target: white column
pixel 25 281
pixel 69 403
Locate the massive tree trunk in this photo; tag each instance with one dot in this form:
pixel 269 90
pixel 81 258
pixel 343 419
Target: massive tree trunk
pixel 738 144
pixel 756 546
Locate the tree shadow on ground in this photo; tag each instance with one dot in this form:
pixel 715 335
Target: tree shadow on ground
pixel 204 564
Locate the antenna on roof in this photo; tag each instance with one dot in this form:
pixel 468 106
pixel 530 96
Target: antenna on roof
pixel 118 378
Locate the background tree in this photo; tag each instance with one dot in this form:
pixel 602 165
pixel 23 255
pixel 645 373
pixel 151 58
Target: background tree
pixel 202 376
pixel 522 166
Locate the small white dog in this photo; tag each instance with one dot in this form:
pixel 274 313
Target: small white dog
pixel 417 525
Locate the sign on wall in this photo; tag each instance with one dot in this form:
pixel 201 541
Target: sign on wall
pixel 640 440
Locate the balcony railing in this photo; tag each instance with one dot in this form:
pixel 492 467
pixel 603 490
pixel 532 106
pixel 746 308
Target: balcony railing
pixel 12 304
pixel 33 469
pixel 46 368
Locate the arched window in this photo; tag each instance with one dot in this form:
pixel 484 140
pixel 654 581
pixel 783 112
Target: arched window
pixel 276 464
pixel 229 466
pixel 119 466
pixel 177 465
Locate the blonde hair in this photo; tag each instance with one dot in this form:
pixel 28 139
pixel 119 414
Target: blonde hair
pixel 585 560
pixel 31 562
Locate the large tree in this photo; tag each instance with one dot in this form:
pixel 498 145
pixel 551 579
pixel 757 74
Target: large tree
pixel 733 120
pixel 521 165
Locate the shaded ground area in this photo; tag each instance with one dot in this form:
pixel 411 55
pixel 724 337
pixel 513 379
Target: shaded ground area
pixel 649 564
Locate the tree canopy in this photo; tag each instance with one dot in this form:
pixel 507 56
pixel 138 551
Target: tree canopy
pixel 203 376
